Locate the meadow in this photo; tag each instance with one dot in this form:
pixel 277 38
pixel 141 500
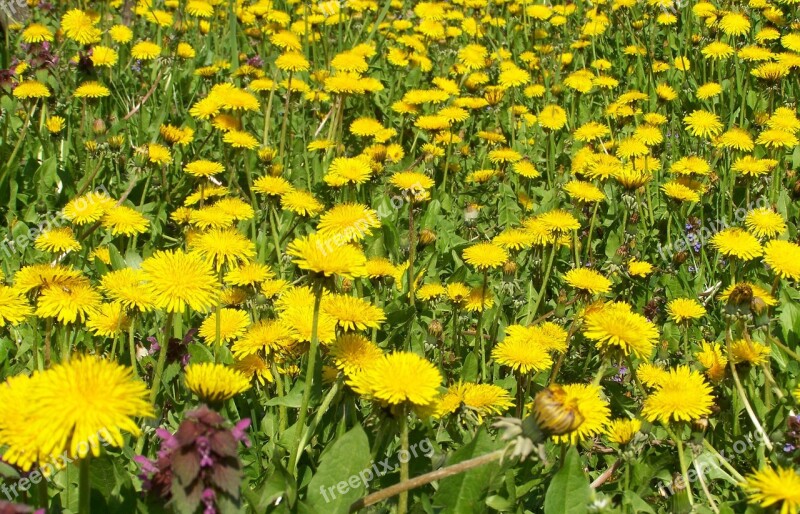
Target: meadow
pixel 275 256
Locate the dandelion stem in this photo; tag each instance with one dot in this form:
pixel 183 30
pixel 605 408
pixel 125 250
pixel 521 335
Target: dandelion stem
pixel 284 123
pixel 479 343
pixel 722 460
pixel 543 288
pixel 282 421
pixel 162 359
pixel 412 243
pixel 682 460
pixel 743 395
pixel 132 345
pixel 84 487
pixel 402 505
pixel 312 360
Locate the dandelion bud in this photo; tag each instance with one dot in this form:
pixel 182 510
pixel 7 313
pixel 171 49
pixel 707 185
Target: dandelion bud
pixel 276 169
pixel 427 236
pixel 91 146
pixel 757 305
pixel 509 268
pixel 347 285
pixel 554 413
pixel 99 126
pixel 741 295
pixel 266 154
pixel 435 328
pixel 116 142
pixel 471 213
pixel 494 95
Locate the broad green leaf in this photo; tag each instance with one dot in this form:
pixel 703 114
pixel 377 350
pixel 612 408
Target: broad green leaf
pixel 569 491
pixel 343 474
pixel 463 493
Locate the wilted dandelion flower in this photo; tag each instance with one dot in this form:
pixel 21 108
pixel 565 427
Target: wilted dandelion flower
pixel 735 242
pixel 400 377
pixel 215 382
pixel 616 326
pixel 685 309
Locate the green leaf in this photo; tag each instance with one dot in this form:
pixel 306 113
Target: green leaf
pixel 636 502
pixel 293 399
pixel 342 475
pixel 463 493
pixel 569 491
